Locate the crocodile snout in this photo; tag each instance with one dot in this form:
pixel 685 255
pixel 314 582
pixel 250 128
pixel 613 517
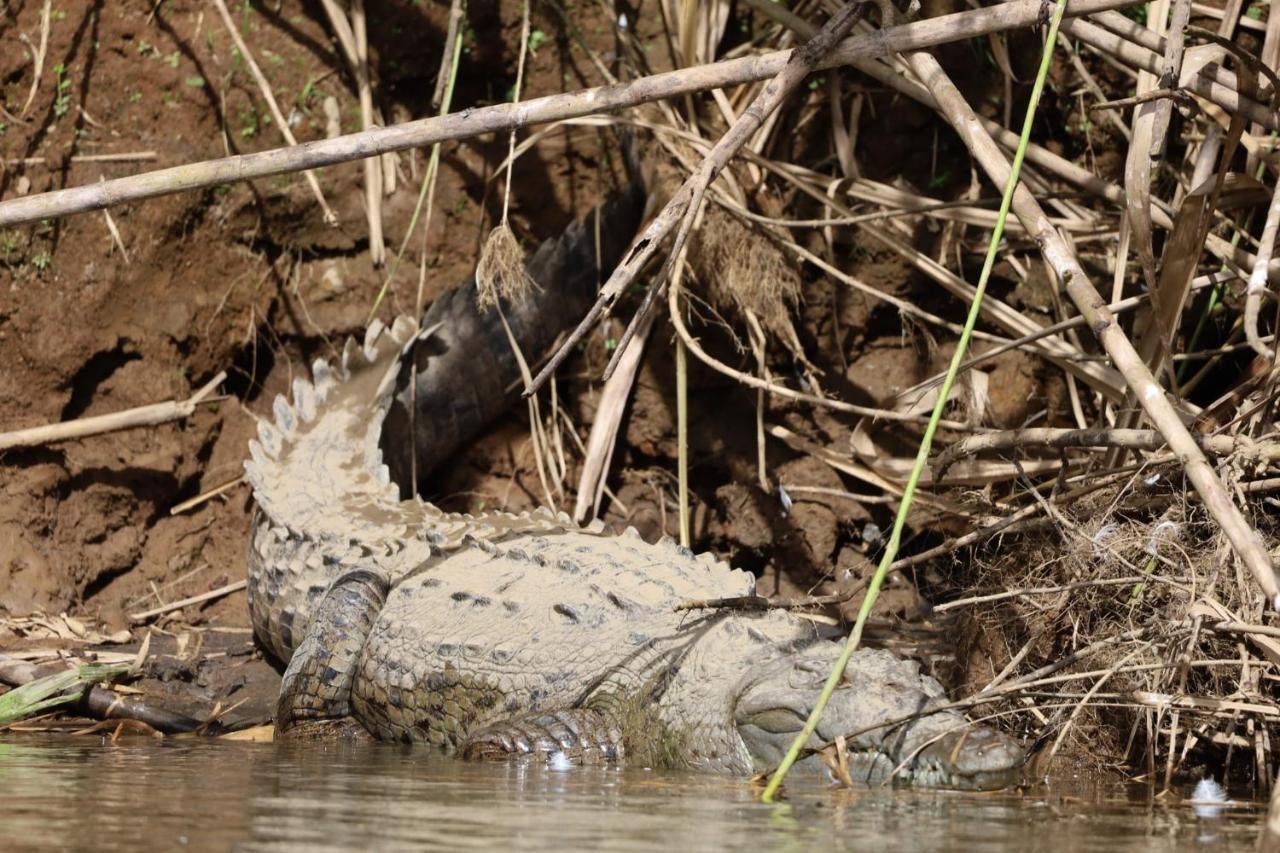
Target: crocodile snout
pixel 975 758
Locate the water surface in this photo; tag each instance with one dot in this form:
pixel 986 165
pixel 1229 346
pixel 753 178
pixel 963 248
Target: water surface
pixel 83 793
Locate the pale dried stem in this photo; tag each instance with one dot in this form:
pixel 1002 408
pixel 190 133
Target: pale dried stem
pixel 38 55
pixel 352 36
pixel 1131 439
pixel 1258 277
pixel 264 88
pixel 604 431
pixel 505 117
pixel 157 413
pixel 192 503
pixel 1246 542
pixel 147 615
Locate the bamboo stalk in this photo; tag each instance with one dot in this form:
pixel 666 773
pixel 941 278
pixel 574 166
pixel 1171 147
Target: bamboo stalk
pixel 505 117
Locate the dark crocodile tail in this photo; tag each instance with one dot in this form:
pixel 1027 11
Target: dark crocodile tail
pixel 467 373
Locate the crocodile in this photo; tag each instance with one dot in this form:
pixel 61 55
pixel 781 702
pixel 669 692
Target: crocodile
pixel 504 634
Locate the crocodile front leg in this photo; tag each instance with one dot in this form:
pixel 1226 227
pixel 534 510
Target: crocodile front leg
pixel 317 684
pixel 579 733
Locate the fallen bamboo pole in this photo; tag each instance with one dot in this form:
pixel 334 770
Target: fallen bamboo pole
pixel 505 117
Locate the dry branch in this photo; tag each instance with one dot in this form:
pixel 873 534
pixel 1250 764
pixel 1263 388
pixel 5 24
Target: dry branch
pixel 505 117
pixel 1131 439
pixel 157 413
pixel 1243 538
pixel 235 586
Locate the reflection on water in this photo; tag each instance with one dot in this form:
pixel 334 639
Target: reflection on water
pixel 85 794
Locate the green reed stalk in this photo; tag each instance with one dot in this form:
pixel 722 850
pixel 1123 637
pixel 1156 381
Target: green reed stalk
pixel 922 456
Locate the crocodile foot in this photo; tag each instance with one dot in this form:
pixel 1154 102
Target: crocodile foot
pixel 576 733
pixel 317 684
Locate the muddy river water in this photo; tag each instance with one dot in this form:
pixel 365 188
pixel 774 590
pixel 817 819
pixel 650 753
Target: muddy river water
pixel 86 794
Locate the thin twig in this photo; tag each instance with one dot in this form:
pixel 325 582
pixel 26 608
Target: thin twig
pixel 1133 439
pixel 147 615
pixel 157 413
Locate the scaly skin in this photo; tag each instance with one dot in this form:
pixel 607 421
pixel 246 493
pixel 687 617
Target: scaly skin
pixel 507 633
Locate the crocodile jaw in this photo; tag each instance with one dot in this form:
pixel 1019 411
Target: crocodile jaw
pixel 939 749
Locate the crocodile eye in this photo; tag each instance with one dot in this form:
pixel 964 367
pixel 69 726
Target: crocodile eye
pixel 777 720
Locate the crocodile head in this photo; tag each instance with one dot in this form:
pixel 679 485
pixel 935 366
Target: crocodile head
pixel 879 690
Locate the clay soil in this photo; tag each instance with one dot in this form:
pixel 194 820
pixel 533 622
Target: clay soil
pixel 248 279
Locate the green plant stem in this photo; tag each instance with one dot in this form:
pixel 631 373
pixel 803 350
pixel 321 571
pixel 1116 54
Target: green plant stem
pixel 53 690
pixel 428 181
pixel 926 443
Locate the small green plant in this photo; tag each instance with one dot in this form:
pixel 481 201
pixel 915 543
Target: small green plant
pixel 537 39
pixel 135 96
pixel 62 91
pixel 1255 11
pixel 250 123
pixel 195 81
pixel 145 48
pixel 307 94
pixel 172 59
pixel 42 261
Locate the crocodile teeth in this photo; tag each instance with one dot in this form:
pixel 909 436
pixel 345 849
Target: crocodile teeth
pixel 272 443
pixel 304 400
pixel 285 419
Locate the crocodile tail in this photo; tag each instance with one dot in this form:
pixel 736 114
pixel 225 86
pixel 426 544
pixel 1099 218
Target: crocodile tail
pixel 327 503
pixel 462 379
pixel 316 468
